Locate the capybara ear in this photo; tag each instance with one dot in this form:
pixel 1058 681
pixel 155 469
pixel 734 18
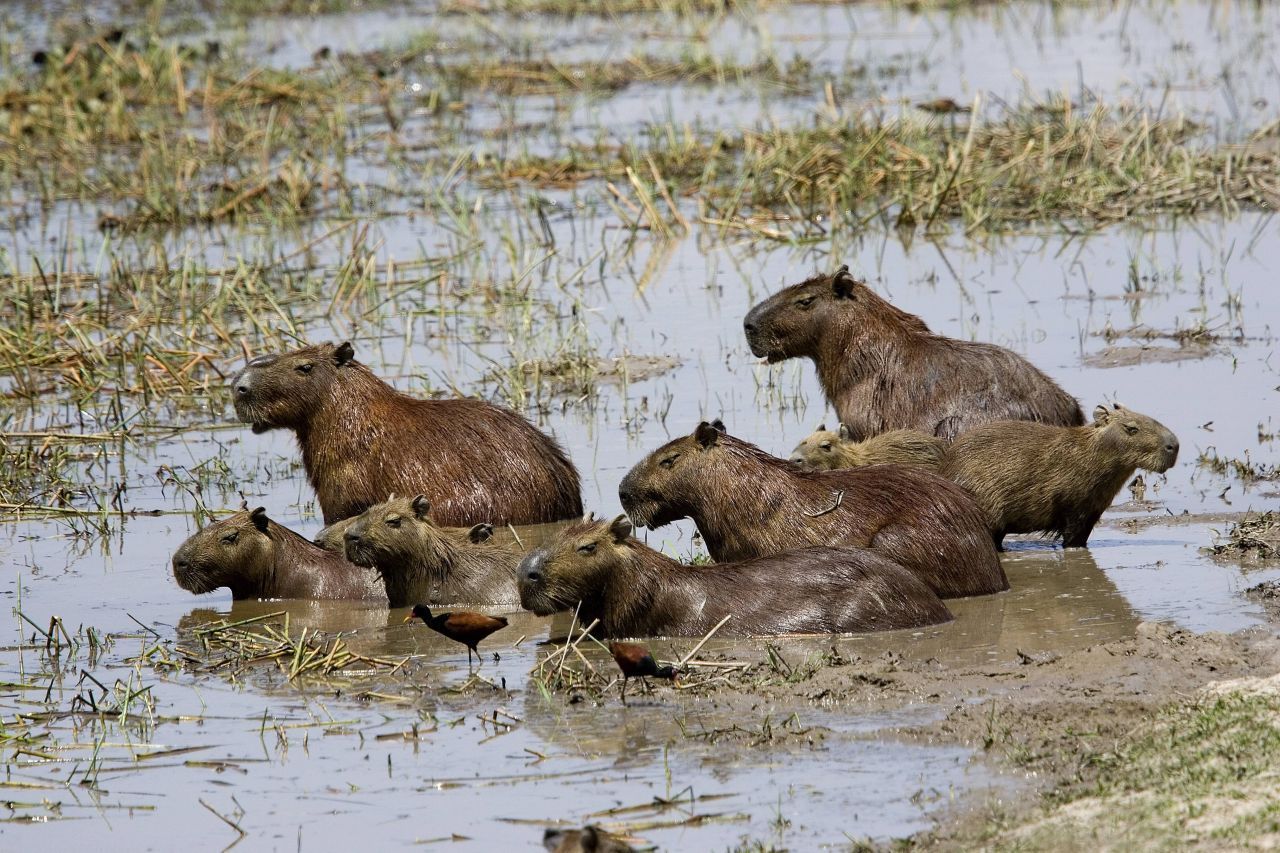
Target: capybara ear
pixel 823 428
pixel 344 353
pixel 421 506
pixel 1101 416
pixel 621 529
pixel 719 426
pixel 846 434
pixel 706 434
pixel 259 518
pixel 842 283
pixel 480 533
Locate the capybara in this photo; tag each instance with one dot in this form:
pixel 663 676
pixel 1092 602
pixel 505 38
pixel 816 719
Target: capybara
pixel 256 558
pixel 635 591
pixel 362 441
pixel 422 563
pixel 333 537
pixel 828 450
pixel 1032 477
pixel 881 368
pixel 747 503
pixel 589 839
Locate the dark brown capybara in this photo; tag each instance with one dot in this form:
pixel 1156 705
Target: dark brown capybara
pixel 1032 477
pixel 421 563
pixel 747 503
pixel 830 450
pixel 589 839
pixel 635 591
pixel 362 441
pixel 881 368
pixel 256 558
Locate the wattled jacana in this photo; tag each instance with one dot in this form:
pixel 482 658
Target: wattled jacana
pixel 464 627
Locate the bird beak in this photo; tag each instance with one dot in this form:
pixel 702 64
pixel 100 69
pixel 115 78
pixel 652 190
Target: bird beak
pixel 408 618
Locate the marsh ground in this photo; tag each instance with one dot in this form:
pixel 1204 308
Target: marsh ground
pixel 570 212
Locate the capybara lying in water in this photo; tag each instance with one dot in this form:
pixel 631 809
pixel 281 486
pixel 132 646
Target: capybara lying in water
pixel 827 450
pixel 747 503
pixel 256 558
pixel 882 369
pixel 362 441
pixel 334 537
pixel 1032 477
pixel 635 591
pixel 422 563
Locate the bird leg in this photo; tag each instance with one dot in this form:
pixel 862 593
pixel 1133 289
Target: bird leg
pixel 624 690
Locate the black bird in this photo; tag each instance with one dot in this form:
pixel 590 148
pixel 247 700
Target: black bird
pixel 463 627
pixel 635 661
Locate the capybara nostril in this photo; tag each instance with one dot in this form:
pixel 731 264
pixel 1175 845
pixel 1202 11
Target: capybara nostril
pixel 351 538
pixel 242 389
pixel 181 563
pixel 533 576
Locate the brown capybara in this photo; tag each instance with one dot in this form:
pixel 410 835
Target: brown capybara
pixel 881 368
pixel 362 441
pixel 333 537
pixel 828 450
pixel 747 503
pixel 635 591
pixel 589 839
pixel 1032 477
pixel 421 563
pixel 256 558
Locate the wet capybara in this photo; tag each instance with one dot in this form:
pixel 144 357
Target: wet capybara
pixel 333 537
pixel 421 563
pixel 1032 477
pixel 362 441
pixel 635 591
pixel 881 368
pixel 589 839
pixel 747 503
pixel 828 450
pixel 256 558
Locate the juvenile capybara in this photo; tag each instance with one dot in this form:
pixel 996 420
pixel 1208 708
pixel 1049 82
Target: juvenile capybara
pixel 635 591
pixel 421 563
pixel 829 450
pixel 881 368
pixel 362 441
pixel 254 557
pixel 747 503
pixel 1032 477
pixel 333 537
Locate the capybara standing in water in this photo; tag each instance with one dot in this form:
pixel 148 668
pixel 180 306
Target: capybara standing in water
pixel 363 441
pixel 421 563
pixel 881 368
pixel 828 450
pixel 635 591
pixel 256 558
pixel 1059 480
pixel 747 503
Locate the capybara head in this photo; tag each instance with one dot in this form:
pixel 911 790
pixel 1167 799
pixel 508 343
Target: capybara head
pixel 815 450
pixel 574 565
pixel 400 530
pixel 282 391
pixel 234 552
pixel 1135 439
pixel 795 320
pixel 653 491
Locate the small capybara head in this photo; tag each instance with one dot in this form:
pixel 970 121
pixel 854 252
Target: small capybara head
pixel 400 530
pixel 1135 439
pixel 235 552
pixel 282 391
pixel 816 450
pixel 576 564
pixel 653 491
pixel 589 839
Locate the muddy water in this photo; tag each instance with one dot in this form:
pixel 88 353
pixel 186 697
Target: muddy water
pixel 306 766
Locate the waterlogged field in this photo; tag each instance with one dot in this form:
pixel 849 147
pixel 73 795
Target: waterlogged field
pixel 568 208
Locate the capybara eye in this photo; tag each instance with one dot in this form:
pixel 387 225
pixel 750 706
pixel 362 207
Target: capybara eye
pixel 393 521
pixel 304 368
pixel 1132 429
pixel 670 460
pixel 589 548
pixel 826 445
pixel 230 538
pixel 805 302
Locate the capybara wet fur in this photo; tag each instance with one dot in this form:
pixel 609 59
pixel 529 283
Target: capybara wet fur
pixel 334 537
pixel 362 441
pixel 747 503
pixel 882 369
pixel 422 563
pixel 1032 478
pixel 254 557
pixel 829 450
pixel 598 568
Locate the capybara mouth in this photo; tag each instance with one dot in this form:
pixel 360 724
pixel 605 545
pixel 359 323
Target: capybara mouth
pixel 537 601
pixel 649 514
pixel 361 556
pixel 194 582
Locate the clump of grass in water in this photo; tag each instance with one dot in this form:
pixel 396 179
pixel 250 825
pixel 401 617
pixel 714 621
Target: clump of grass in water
pixel 1256 536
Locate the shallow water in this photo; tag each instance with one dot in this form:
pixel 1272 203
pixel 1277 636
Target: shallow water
pixel 307 767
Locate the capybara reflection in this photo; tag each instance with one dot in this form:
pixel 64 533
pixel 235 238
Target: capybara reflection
pixel 881 368
pixel 829 450
pixel 1032 478
pixel 635 591
pixel 747 503
pixel 422 563
pixel 256 558
pixel 362 441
